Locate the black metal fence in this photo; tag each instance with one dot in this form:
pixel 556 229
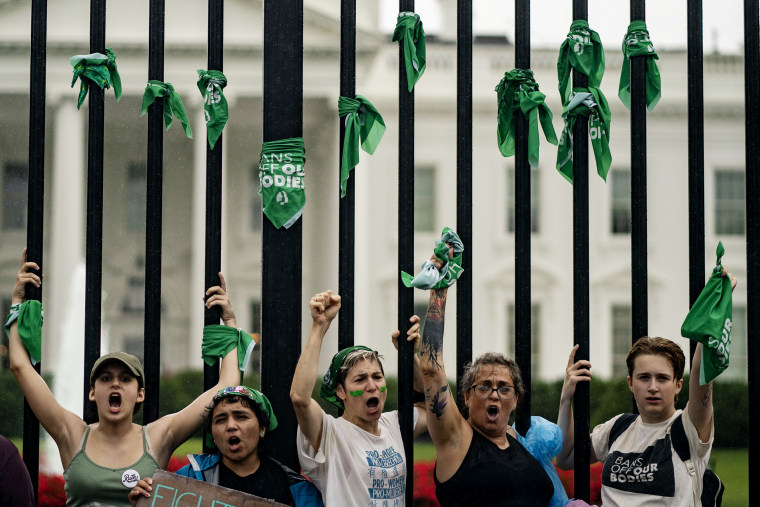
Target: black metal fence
pixel 281 287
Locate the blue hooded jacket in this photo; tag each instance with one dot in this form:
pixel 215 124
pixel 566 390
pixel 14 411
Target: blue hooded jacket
pixel 205 467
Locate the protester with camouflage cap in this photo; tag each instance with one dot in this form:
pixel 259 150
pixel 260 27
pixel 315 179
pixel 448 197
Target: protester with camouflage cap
pixel 358 458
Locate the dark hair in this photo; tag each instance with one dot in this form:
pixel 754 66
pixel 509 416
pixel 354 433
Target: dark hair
pixel 473 369
pixel 657 347
pixel 353 358
pixel 260 415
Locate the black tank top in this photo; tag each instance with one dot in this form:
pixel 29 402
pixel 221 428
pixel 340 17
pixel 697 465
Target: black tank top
pixel 492 476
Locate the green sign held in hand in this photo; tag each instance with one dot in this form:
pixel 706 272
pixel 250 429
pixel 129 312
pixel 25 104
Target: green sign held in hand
pixel 98 69
pixel 710 320
pixel 211 84
pixel 637 43
pixel 172 104
pixel 363 122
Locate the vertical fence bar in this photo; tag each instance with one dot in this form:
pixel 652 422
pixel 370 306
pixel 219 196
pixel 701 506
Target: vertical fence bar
pixel 35 203
pixel 752 129
pixel 153 215
pixel 94 249
pixel 347 218
pixel 522 223
pixel 639 292
pixel 213 240
pixel 696 135
pixel 282 248
pixel 464 183
pixel 405 254
pixel 581 281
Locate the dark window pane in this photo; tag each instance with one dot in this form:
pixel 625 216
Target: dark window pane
pixel 14 196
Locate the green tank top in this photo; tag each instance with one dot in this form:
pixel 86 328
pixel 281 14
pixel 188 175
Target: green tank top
pixel 88 482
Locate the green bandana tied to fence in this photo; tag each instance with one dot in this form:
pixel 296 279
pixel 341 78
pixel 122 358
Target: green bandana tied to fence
pixel 409 28
pixel 638 43
pixel 218 341
pixel 590 103
pixel 281 173
pixel 518 91
pixel 583 51
pixel 29 321
pixel 211 83
pixel 172 104
pixel 430 277
pixel 710 320
pixel 330 380
pixel 98 69
pixel 362 122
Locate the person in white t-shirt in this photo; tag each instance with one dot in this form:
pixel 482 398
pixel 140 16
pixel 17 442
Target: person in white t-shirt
pixel 641 466
pixel 358 458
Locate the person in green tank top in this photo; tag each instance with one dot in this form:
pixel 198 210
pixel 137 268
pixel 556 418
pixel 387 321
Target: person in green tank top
pixel 104 460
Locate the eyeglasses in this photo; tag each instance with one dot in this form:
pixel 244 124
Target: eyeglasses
pixel 484 391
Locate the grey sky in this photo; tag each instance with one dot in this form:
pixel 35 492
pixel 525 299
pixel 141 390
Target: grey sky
pixel 666 19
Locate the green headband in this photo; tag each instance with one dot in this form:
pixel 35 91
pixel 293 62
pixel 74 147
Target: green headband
pixel 330 381
pixel 252 395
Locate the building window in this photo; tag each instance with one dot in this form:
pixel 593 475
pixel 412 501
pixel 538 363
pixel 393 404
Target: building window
pixel 511 200
pixel 137 193
pixel 737 355
pixel 256 332
pixel 729 202
pixel 620 201
pixel 622 326
pixel 14 195
pixel 255 199
pixel 134 299
pixel 134 345
pixel 424 199
pixel 535 335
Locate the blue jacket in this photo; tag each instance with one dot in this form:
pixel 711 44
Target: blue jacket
pixel 205 467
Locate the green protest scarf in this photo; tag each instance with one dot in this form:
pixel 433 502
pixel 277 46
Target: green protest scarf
pixel 362 122
pixel 98 69
pixel 211 83
pixel 638 43
pixel 583 51
pixel 330 381
pixel 590 103
pixel 281 172
pixel 409 28
pixel 429 277
pixel 218 341
pixel 29 324
pixel 518 91
pixel 172 104
pixel 710 320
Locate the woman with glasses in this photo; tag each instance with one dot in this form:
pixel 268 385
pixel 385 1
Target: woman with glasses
pixel 479 460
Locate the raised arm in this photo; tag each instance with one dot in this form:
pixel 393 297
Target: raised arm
pixel 168 432
pixel 324 307
pixel 576 371
pixel 413 334
pixel 700 404
pixel 65 427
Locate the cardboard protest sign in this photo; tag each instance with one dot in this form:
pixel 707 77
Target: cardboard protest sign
pixel 170 490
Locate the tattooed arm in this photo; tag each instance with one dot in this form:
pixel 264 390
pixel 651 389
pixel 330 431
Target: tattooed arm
pixel 450 432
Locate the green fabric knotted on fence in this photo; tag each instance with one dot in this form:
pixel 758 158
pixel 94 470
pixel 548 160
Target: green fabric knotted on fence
pixel 98 69
pixel 637 43
pixel 172 104
pixel 215 110
pixel 219 340
pixel 589 103
pixel 363 122
pixel 409 29
pixel 29 326
pixel 518 91
pixel 281 173
pixel 583 51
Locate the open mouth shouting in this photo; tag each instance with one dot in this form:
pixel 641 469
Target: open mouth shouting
pixel 233 443
pixel 492 412
pixel 114 403
pixel 373 405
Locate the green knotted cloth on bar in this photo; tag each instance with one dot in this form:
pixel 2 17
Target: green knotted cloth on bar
pixel 98 69
pixel 583 51
pixel 589 103
pixel 710 320
pixel 281 173
pixel 638 43
pixel 429 276
pixel 215 110
pixel 518 91
pixel 219 340
pixel 409 29
pixel 172 104
pixel 29 325
pixel 362 122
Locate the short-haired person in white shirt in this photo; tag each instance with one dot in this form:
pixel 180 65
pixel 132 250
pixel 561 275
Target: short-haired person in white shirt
pixel 641 467
pixel 358 458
